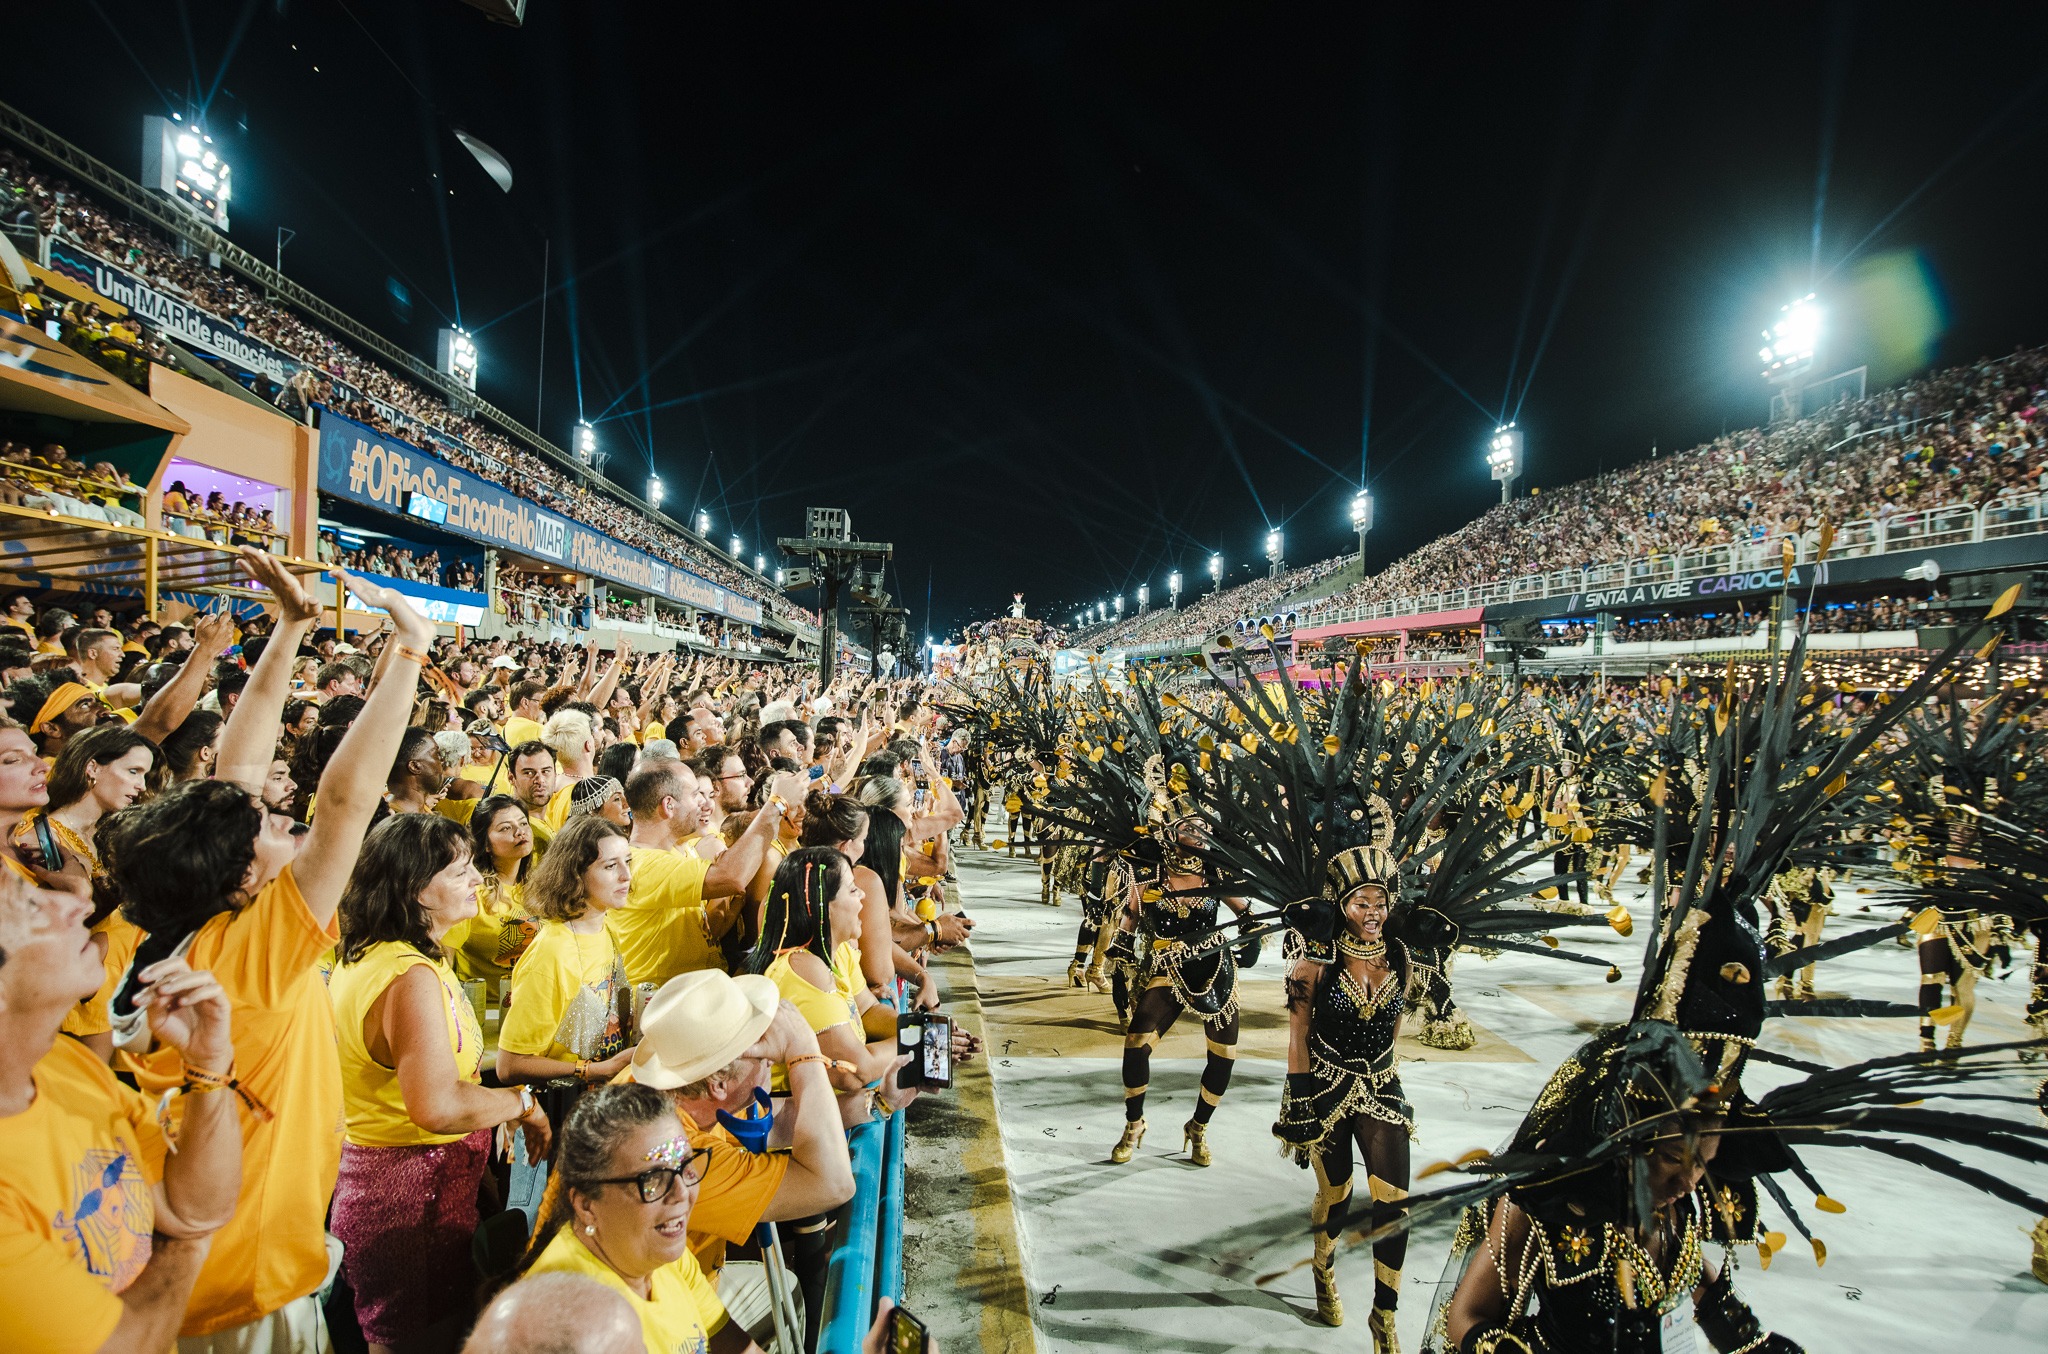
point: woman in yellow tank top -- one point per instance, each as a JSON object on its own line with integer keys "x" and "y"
{"x": 486, "y": 946}
{"x": 417, "y": 1124}
{"x": 810, "y": 950}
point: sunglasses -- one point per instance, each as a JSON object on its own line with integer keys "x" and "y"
{"x": 656, "y": 1182}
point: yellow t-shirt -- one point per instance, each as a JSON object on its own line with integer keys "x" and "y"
{"x": 661, "y": 930}
{"x": 485, "y": 947}
{"x": 370, "y": 1094}
{"x": 682, "y": 1312}
{"x": 93, "y": 1015}
{"x": 494, "y": 775}
{"x": 652, "y": 733}
{"x": 457, "y": 810}
{"x": 519, "y": 732}
{"x": 76, "y": 1209}
{"x": 569, "y": 999}
{"x": 275, "y": 1249}
{"x": 557, "y": 811}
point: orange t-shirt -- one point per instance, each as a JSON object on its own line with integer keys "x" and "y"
{"x": 275, "y": 1250}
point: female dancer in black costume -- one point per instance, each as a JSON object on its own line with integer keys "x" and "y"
{"x": 1344, "y": 1010}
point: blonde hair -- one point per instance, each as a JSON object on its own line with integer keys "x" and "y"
{"x": 566, "y": 733}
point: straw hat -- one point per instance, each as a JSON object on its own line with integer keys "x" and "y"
{"x": 698, "y": 1023}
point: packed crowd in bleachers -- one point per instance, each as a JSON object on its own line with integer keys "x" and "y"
{"x": 1969, "y": 435}
{"x": 1870, "y": 615}
{"x": 473, "y": 906}
{"x": 348, "y": 382}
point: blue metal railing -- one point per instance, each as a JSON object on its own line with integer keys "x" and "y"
{"x": 850, "y": 1275}
{"x": 868, "y": 1262}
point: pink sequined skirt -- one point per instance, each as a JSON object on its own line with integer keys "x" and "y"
{"x": 406, "y": 1216}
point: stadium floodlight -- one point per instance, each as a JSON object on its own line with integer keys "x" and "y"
{"x": 1119, "y": 604}
{"x": 586, "y": 442}
{"x": 1361, "y": 521}
{"x": 1144, "y": 598}
{"x": 703, "y": 524}
{"x": 778, "y": 577}
{"x": 760, "y": 565}
{"x": 654, "y": 492}
{"x": 180, "y": 161}
{"x": 1173, "y": 588}
{"x": 1216, "y": 570}
{"x": 1504, "y": 458}
{"x": 456, "y": 356}
{"x": 1790, "y": 344}
{"x": 736, "y": 548}
{"x": 1276, "y": 553}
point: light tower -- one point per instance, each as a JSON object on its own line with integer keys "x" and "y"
{"x": 1504, "y": 458}
{"x": 704, "y": 524}
{"x": 1276, "y": 553}
{"x": 1216, "y": 571}
{"x": 1173, "y": 588}
{"x": 1119, "y": 606}
{"x": 1789, "y": 351}
{"x": 654, "y": 492}
{"x": 1144, "y": 598}
{"x": 1361, "y": 522}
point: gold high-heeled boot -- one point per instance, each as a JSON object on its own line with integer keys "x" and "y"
{"x": 1077, "y": 972}
{"x": 1127, "y": 1146}
{"x": 1330, "y": 1199}
{"x": 2041, "y": 1250}
{"x": 1195, "y": 1138}
{"x": 1384, "y": 1338}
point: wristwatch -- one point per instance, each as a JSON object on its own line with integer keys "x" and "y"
{"x": 526, "y": 1102}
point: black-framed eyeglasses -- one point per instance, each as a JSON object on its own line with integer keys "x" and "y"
{"x": 656, "y": 1181}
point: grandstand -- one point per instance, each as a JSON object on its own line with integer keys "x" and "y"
{"x": 283, "y": 432}
{"x": 1689, "y": 547}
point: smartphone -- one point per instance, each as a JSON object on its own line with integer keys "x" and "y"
{"x": 936, "y": 1056}
{"x": 910, "y": 1039}
{"x": 907, "y": 1335}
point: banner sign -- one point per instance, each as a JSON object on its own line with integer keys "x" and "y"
{"x": 365, "y": 466}
{"x": 1691, "y": 589}
{"x": 450, "y": 606}
{"x": 179, "y": 320}
{"x": 187, "y": 324}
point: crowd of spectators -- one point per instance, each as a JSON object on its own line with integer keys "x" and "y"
{"x": 1241, "y": 608}
{"x": 1966, "y": 435}
{"x": 351, "y": 384}
{"x": 1971, "y": 435}
{"x": 1870, "y": 615}
{"x": 313, "y": 938}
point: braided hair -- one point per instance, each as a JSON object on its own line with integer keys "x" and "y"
{"x": 798, "y": 913}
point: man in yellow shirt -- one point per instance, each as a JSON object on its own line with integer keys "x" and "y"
{"x": 101, "y": 1233}
{"x": 524, "y": 724}
{"x": 533, "y": 770}
{"x": 667, "y": 927}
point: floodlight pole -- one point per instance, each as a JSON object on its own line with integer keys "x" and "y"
{"x": 834, "y": 563}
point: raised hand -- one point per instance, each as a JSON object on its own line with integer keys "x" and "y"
{"x": 413, "y": 629}
{"x": 293, "y": 603}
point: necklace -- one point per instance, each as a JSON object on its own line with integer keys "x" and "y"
{"x": 1372, "y": 951}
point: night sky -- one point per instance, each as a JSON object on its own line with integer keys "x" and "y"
{"x": 1059, "y": 298}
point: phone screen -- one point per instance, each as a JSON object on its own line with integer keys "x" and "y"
{"x": 937, "y": 1053}
{"x": 907, "y": 1335}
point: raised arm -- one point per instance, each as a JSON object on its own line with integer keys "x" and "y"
{"x": 353, "y": 784}
{"x": 169, "y": 706}
{"x": 249, "y": 740}
{"x": 601, "y": 694}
